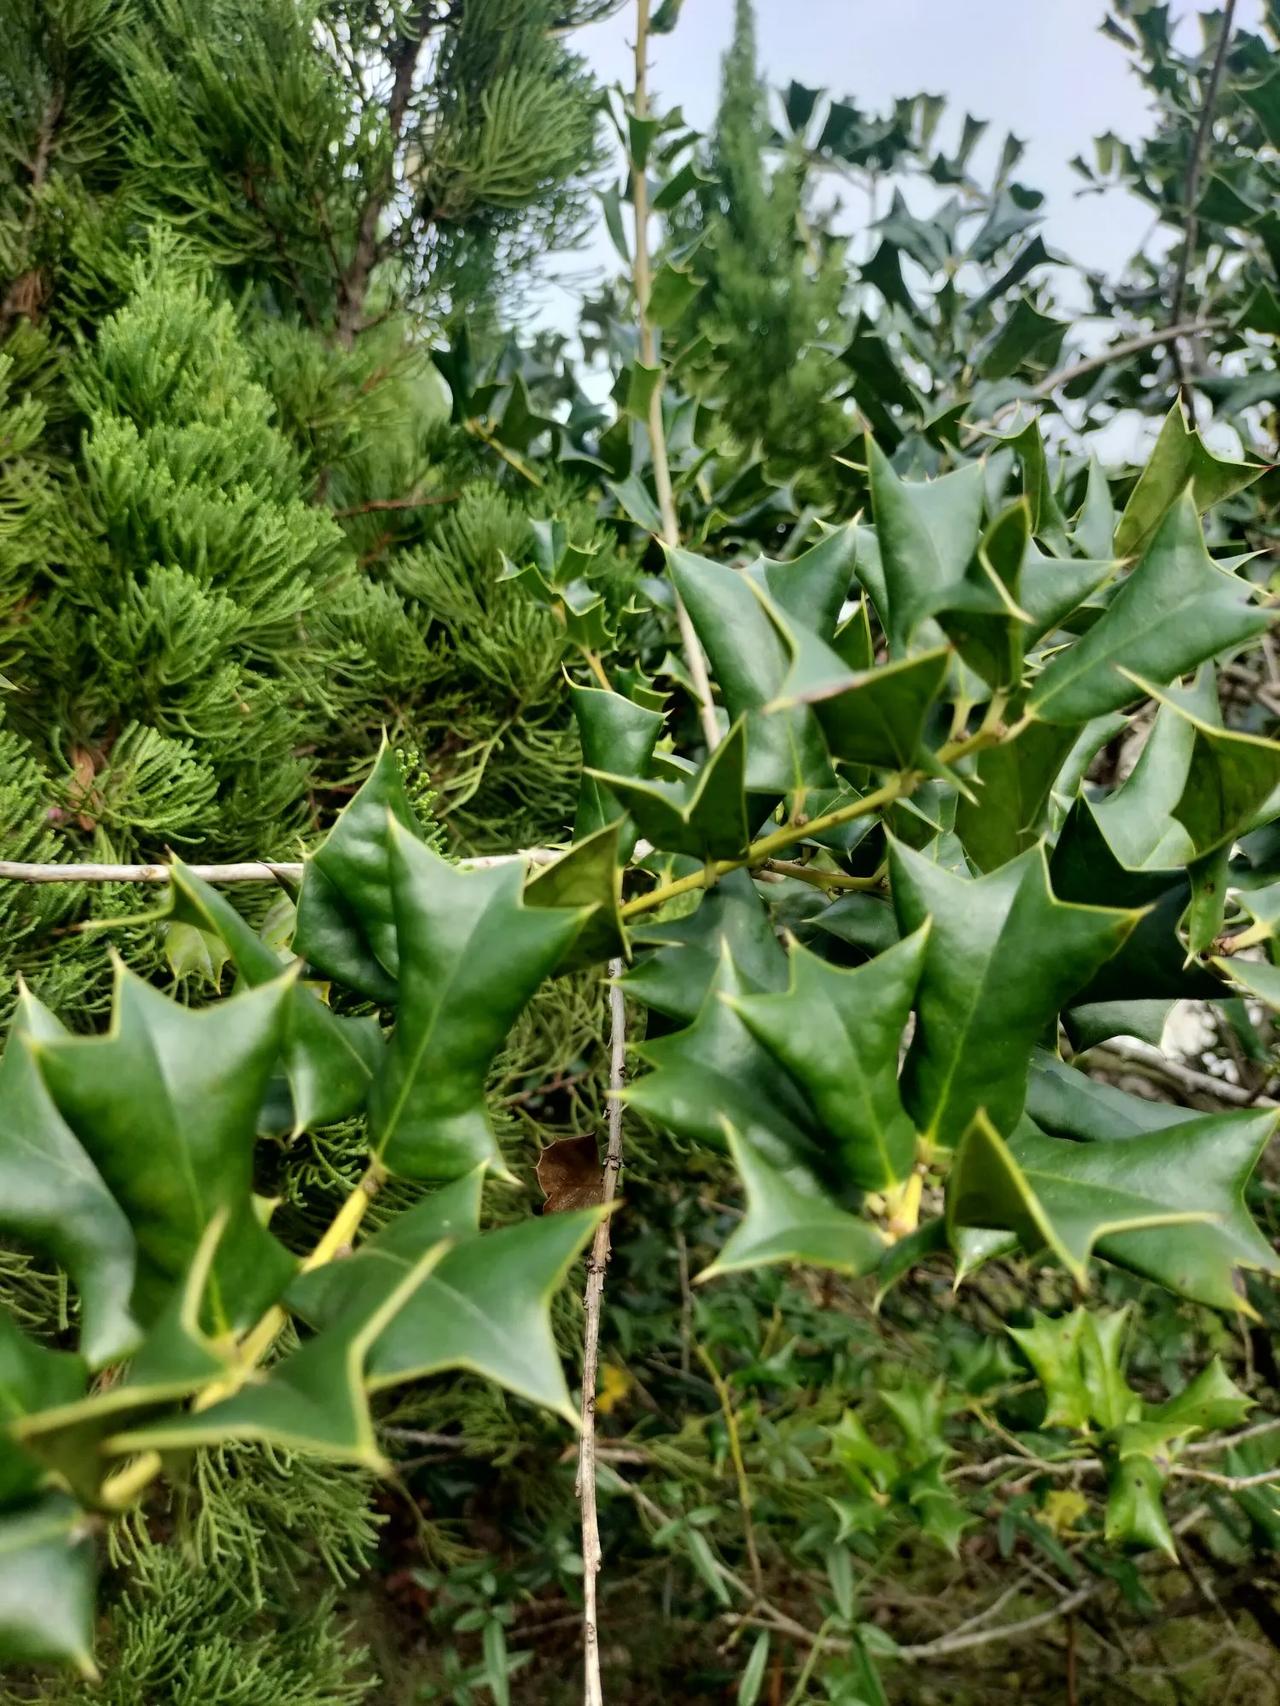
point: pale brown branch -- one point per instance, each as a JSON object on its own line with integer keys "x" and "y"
{"x": 597, "y": 1262}
{"x": 650, "y": 353}
{"x": 248, "y": 871}
{"x": 1195, "y": 167}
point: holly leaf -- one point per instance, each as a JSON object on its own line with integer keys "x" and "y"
{"x": 587, "y": 876}
{"x": 838, "y": 1032}
{"x": 715, "y": 1072}
{"x": 327, "y": 1062}
{"x": 1176, "y": 609}
{"x": 1210, "y": 1401}
{"x": 166, "y": 1106}
{"x": 617, "y": 736}
{"x": 484, "y": 1307}
{"x": 471, "y": 954}
{"x": 746, "y": 621}
{"x": 1180, "y": 459}
{"x": 1010, "y": 787}
{"x": 1123, "y": 1199}
{"x": 55, "y": 1199}
{"x": 977, "y": 1021}
{"x": 983, "y": 616}
{"x": 1135, "y": 1498}
{"x": 876, "y": 717}
{"x": 675, "y": 979}
{"x": 927, "y": 533}
{"x": 1066, "y": 1102}
{"x": 346, "y": 919}
{"x": 705, "y": 816}
{"x": 32, "y": 1378}
{"x": 1227, "y": 777}
{"x": 789, "y": 1219}
{"x": 47, "y": 1580}
{"x": 1052, "y": 1347}
{"x": 313, "y": 1400}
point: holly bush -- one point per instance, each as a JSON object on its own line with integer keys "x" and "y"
{"x": 874, "y": 927}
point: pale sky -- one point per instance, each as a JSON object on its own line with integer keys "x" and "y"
{"x": 1037, "y": 67}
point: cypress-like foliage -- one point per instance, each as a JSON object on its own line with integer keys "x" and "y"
{"x": 775, "y": 282}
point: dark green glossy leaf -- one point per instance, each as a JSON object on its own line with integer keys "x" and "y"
{"x": 876, "y": 718}
{"x": 746, "y": 622}
{"x": 1176, "y": 609}
{"x": 715, "y": 1072}
{"x": 328, "y": 1062}
{"x": 617, "y": 735}
{"x": 789, "y": 1220}
{"x": 166, "y": 1105}
{"x": 1180, "y": 460}
{"x": 485, "y": 1307}
{"x": 315, "y": 1399}
{"x": 47, "y": 1576}
{"x": 675, "y": 979}
{"x": 1168, "y": 1204}
{"x": 927, "y": 534}
{"x": 346, "y": 920}
{"x": 838, "y": 1033}
{"x": 1004, "y": 955}
{"x": 705, "y": 817}
{"x": 471, "y": 954}
{"x": 54, "y": 1198}
{"x": 1011, "y": 784}
{"x": 587, "y": 875}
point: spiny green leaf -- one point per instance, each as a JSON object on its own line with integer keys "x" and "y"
{"x": 485, "y": 1307}
{"x": 1135, "y": 1501}
{"x": 1004, "y": 954}
{"x": 346, "y": 921}
{"x": 1210, "y": 1401}
{"x": 715, "y": 1072}
{"x": 1011, "y": 784}
{"x": 32, "y": 1378}
{"x": 1052, "y": 1347}
{"x": 877, "y": 717}
{"x": 927, "y": 534}
{"x": 745, "y": 620}
{"x": 1180, "y": 459}
{"x": 586, "y": 875}
{"x": 54, "y": 1198}
{"x": 314, "y": 1400}
{"x": 838, "y": 1033}
{"x": 1176, "y": 609}
{"x": 1228, "y": 777}
{"x": 1167, "y": 1204}
{"x": 705, "y": 817}
{"x": 1066, "y": 1102}
{"x": 983, "y": 617}
{"x": 617, "y": 735}
{"x": 166, "y": 1104}
{"x": 470, "y": 956}
{"x": 47, "y": 1576}
{"x": 674, "y": 980}
{"x": 788, "y": 1220}
{"x": 327, "y": 1062}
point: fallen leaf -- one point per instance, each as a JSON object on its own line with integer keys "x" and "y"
{"x": 570, "y": 1175}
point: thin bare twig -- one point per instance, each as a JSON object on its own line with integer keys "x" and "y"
{"x": 650, "y": 355}
{"x": 247, "y": 871}
{"x": 1135, "y": 1057}
{"x": 1195, "y": 167}
{"x": 596, "y": 1265}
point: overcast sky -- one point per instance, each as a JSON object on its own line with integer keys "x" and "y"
{"x": 1037, "y": 67}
